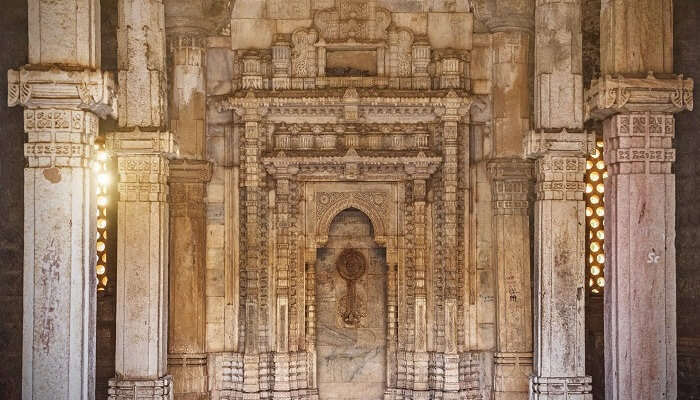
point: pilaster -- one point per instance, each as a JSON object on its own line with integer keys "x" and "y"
{"x": 559, "y": 362}
{"x": 62, "y": 107}
{"x": 186, "y": 333}
{"x": 510, "y": 183}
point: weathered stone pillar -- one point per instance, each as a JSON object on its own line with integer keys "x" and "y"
{"x": 636, "y": 107}
{"x": 187, "y": 359}
{"x": 62, "y": 107}
{"x": 510, "y": 181}
{"x": 511, "y": 24}
{"x": 142, "y": 147}
{"x": 560, "y": 228}
{"x": 559, "y": 146}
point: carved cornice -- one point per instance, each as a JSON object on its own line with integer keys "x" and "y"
{"x": 611, "y": 95}
{"x": 329, "y": 106}
{"x": 54, "y": 88}
{"x": 352, "y": 166}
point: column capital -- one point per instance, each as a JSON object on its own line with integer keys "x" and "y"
{"x": 665, "y": 93}
{"x": 54, "y": 88}
{"x": 187, "y": 48}
{"x": 639, "y": 143}
{"x": 142, "y": 162}
{"x": 510, "y": 184}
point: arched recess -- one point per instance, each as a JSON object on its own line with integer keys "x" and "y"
{"x": 373, "y": 212}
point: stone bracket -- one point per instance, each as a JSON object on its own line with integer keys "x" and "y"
{"x": 624, "y": 94}
{"x": 91, "y": 90}
{"x": 537, "y": 143}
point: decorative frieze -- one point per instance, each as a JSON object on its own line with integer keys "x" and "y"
{"x": 640, "y": 143}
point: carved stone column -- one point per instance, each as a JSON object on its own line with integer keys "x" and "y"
{"x": 559, "y": 146}
{"x": 510, "y": 182}
{"x": 61, "y": 120}
{"x": 142, "y": 148}
{"x": 638, "y": 129}
{"x": 142, "y": 265}
{"x": 560, "y": 230}
{"x": 640, "y": 291}
{"x": 187, "y": 359}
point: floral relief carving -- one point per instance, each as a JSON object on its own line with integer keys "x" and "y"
{"x": 304, "y": 53}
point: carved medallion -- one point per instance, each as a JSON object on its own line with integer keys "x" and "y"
{"x": 351, "y": 266}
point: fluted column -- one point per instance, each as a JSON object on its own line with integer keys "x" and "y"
{"x": 635, "y": 99}
{"x": 61, "y": 120}
{"x": 559, "y": 146}
{"x": 143, "y": 148}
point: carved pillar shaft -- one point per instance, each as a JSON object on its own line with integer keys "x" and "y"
{"x": 510, "y": 181}
{"x": 640, "y": 295}
{"x": 142, "y": 148}
{"x": 559, "y": 264}
{"x": 62, "y": 107}
{"x": 142, "y": 266}
{"x": 638, "y": 128}
{"x": 420, "y": 356}
{"x": 560, "y": 223}
{"x": 186, "y": 328}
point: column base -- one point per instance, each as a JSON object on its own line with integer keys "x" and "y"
{"x": 189, "y": 372}
{"x": 512, "y": 376}
{"x": 140, "y": 389}
{"x": 569, "y": 388}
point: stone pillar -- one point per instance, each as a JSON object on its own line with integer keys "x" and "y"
{"x": 510, "y": 183}
{"x": 188, "y": 307}
{"x": 142, "y": 265}
{"x": 559, "y": 146}
{"x": 560, "y": 228}
{"x": 511, "y": 24}
{"x": 187, "y": 359}
{"x": 62, "y": 107}
{"x": 142, "y": 147}
{"x": 636, "y": 107}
